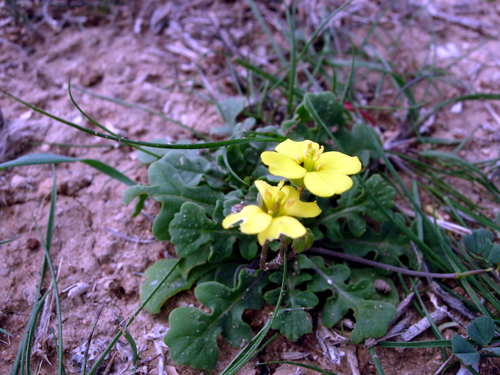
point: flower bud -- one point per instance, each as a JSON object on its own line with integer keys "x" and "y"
{"x": 303, "y": 243}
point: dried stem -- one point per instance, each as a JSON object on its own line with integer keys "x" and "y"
{"x": 402, "y": 271}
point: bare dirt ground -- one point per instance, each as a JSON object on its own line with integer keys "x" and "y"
{"x": 96, "y": 240}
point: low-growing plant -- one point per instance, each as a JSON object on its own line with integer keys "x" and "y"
{"x": 237, "y": 214}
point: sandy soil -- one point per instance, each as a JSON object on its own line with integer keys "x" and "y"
{"x": 116, "y": 56}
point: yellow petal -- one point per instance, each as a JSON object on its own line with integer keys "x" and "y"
{"x": 286, "y": 225}
{"x": 326, "y": 183}
{"x": 291, "y": 148}
{"x": 291, "y": 192}
{"x": 254, "y": 220}
{"x": 262, "y": 186}
{"x": 282, "y": 165}
{"x": 339, "y": 162}
{"x": 302, "y": 209}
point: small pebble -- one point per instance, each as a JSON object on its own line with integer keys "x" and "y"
{"x": 32, "y": 243}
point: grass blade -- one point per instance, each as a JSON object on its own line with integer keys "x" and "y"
{"x": 10, "y": 239}
{"x": 248, "y": 351}
{"x": 147, "y": 110}
{"x": 376, "y": 362}
{"x": 5, "y": 332}
{"x": 46, "y": 247}
{"x": 265, "y": 29}
{"x": 131, "y": 142}
{"x": 34, "y": 159}
{"x": 293, "y": 49}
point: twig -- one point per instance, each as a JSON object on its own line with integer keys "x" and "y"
{"x": 352, "y": 359}
{"x": 403, "y": 306}
{"x": 433, "y": 299}
{"x": 452, "y": 227}
{"x": 402, "y": 271}
{"x": 276, "y": 262}
{"x": 127, "y": 238}
{"x": 423, "y": 325}
{"x": 108, "y": 367}
{"x": 439, "y": 370}
{"x": 453, "y": 302}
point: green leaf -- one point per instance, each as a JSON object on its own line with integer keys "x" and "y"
{"x": 35, "y": 159}
{"x": 5, "y": 332}
{"x": 173, "y": 285}
{"x": 388, "y": 245}
{"x": 192, "y": 337}
{"x": 353, "y": 206}
{"x": 464, "y": 350}
{"x": 374, "y": 275}
{"x": 372, "y": 316}
{"x": 359, "y": 142}
{"x": 190, "y": 229}
{"x": 323, "y": 108}
{"x": 481, "y": 330}
{"x": 229, "y": 109}
{"x": 242, "y": 160}
{"x": 169, "y": 188}
{"x": 146, "y": 158}
{"x": 248, "y": 246}
{"x": 193, "y": 168}
{"x": 292, "y": 319}
{"x": 228, "y": 273}
{"x": 480, "y": 242}
{"x": 189, "y": 263}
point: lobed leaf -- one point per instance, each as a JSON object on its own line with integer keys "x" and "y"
{"x": 194, "y": 168}
{"x": 388, "y": 245}
{"x": 292, "y": 320}
{"x": 168, "y": 187}
{"x": 191, "y": 229}
{"x": 229, "y": 109}
{"x": 375, "y": 275}
{"x": 173, "y": 285}
{"x": 353, "y": 206}
{"x": 192, "y": 337}
{"x": 323, "y": 108}
{"x": 360, "y": 142}
{"x": 199, "y": 258}
{"x": 372, "y": 316}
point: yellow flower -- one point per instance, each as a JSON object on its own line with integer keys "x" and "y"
{"x": 305, "y": 163}
{"x": 275, "y": 214}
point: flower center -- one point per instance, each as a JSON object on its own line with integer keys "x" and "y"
{"x": 310, "y": 157}
{"x": 274, "y": 203}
